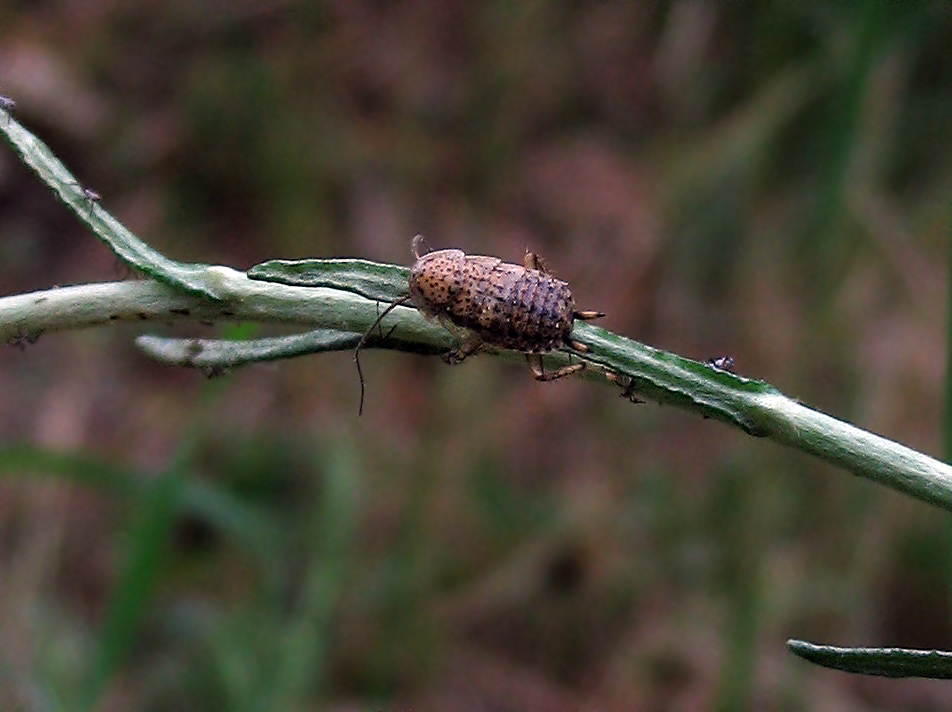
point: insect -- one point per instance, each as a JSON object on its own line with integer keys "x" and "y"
{"x": 518, "y": 307}
{"x": 722, "y": 363}
{"x": 91, "y": 197}
{"x": 8, "y": 105}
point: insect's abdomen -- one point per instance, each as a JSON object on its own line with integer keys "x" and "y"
{"x": 513, "y": 307}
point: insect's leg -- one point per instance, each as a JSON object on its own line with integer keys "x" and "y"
{"x": 586, "y": 315}
{"x": 377, "y": 322}
{"x": 533, "y": 261}
{"x": 470, "y": 346}
{"x": 538, "y": 373}
{"x": 380, "y": 335}
{"x": 363, "y": 341}
{"x": 627, "y": 386}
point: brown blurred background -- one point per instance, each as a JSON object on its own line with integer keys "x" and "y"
{"x": 769, "y": 181}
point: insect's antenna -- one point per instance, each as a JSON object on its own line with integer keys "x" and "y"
{"x": 363, "y": 342}
{"x": 419, "y": 246}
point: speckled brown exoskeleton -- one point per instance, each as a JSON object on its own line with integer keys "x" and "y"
{"x": 518, "y": 307}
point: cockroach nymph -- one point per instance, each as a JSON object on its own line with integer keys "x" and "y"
{"x": 518, "y": 307}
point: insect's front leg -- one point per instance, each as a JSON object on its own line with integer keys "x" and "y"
{"x": 470, "y": 346}
{"x": 469, "y": 341}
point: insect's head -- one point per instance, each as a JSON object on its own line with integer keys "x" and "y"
{"x": 435, "y": 279}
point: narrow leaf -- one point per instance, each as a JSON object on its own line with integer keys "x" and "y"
{"x": 885, "y": 662}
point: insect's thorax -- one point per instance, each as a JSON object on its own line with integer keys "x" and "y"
{"x": 435, "y": 280}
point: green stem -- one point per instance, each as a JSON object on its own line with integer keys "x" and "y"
{"x": 346, "y": 296}
{"x": 192, "y": 278}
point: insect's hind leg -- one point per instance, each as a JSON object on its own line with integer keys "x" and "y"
{"x": 538, "y": 373}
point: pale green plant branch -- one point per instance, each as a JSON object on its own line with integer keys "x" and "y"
{"x": 29, "y": 316}
{"x": 340, "y": 300}
{"x": 33, "y": 152}
{"x": 345, "y": 296}
{"x": 755, "y": 406}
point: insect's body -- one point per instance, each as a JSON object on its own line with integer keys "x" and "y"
{"x": 507, "y": 305}
{"x": 518, "y": 307}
